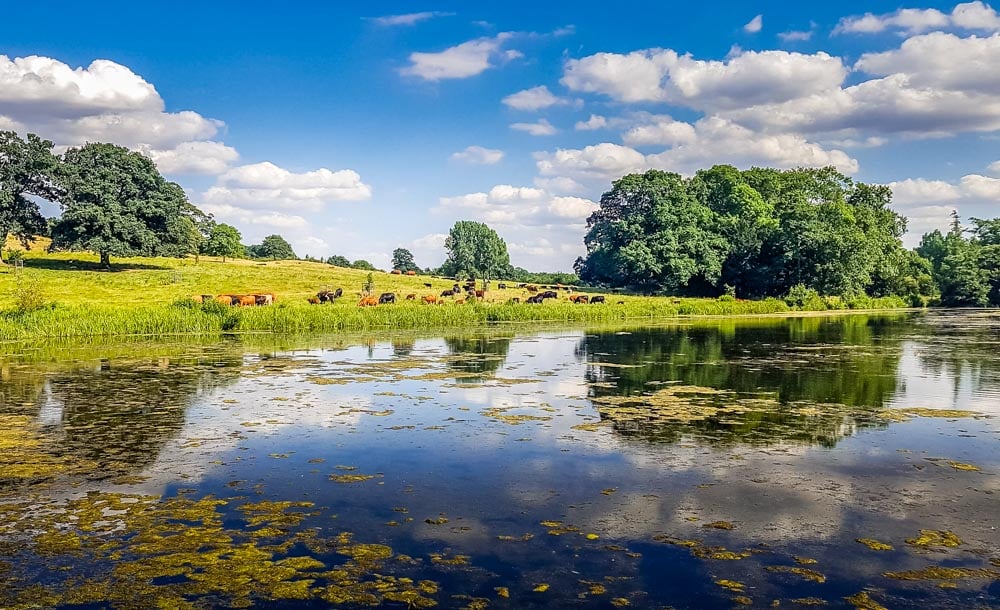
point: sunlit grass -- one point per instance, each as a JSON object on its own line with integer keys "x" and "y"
{"x": 149, "y": 296}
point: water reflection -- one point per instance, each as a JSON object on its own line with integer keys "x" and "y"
{"x": 844, "y": 369}
{"x": 702, "y": 465}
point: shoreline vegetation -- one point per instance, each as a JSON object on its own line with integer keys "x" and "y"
{"x": 152, "y": 297}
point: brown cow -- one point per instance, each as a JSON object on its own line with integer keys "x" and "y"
{"x": 198, "y": 298}
{"x": 411, "y": 272}
{"x": 313, "y": 300}
{"x": 460, "y": 301}
{"x": 247, "y": 300}
{"x": 480, "y": 294}
{"x": 396, "y": 272}
{"x": 368, "y": 302}
{"x": 532, "y": 288}
{"x": 430, "y": 299}
{"x": 227, "y": 299}
{"x": 411, "y": 297}
{"x": 578, "y": 298}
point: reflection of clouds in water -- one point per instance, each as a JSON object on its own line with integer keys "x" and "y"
{"x": 942, "y": 387}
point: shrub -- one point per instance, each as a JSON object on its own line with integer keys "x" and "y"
{"x": 28, "y": 294}
{"x": 727, "y": 298}
{"x": 12, "y": 256}
{"x": 800, "y": 297}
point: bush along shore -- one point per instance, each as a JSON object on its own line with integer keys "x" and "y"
{"x": 186, "y": 316}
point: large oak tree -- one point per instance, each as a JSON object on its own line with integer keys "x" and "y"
{"x": 116, "y": 203}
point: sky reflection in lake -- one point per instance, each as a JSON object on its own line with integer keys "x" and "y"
{"x": 702, "y": 465}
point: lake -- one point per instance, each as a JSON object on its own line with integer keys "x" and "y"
{"x": 847, "y": 461}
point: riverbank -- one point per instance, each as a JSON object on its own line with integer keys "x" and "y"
{"x": 88, "y": 320}
{"x": 72, "y": 297}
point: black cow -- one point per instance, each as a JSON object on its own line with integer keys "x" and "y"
{"x": 427, "y": 285}
{"x": 329, "y": 296}
{"x": 521, "y": 285}
{"x": 456, "y": 289}
{"x": 448, "y": 293}
{"x": 537, "y": 298}
{"x": 549, "y": 294}
{"x": 597, "y": 299}
{"x": 502, "y": 286}
{"x": 386, "y": 297}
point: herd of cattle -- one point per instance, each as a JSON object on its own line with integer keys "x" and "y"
{"x": 456, "y": 294}
{"x": 244, "y": 300}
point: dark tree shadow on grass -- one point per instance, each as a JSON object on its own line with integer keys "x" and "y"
{"x": 78, "y": 265}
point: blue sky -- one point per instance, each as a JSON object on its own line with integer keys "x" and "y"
{"x": 357, "y": 129}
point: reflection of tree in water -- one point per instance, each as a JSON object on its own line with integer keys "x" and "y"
{"x": 962, "y": 345}
{"x": 20, "y": 389}
{"x": 848, "y": 361}
{"x": 121, "y": 415}
{"x": 481, "y": 355}
{"x": 402, "y": 348}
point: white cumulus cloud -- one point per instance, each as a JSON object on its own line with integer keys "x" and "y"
{"x": 460, "y": 61}
{"x": 754, "y": 25}
{"x": 539, "y": 128}
{"x": 535, "y": 98}
{"x": 967, "y": 16}
{"x": 478, "y": 155}
{"x": 594, "y": 123}
{"x": 265, "y": 185}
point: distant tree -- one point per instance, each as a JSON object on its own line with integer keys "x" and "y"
{"x": 115, "y": 202}
{"x": 651, "y": 233}
{"x": 475, "y": 251}
{"x": 224, "y": 241}
{"x": 402, "y": 259}
{"x": 338, "y": 261}
{"x": 26, "y": 168}
{"x": 275, "y": 247}
{"x": 363, "y": 265}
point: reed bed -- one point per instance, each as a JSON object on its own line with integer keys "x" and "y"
{"x": 187, "y": 317}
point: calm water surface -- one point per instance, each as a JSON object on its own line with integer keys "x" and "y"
{"x": 719, "y": 464}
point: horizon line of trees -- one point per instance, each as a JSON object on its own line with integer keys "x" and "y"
{"x": 755, "y": 233}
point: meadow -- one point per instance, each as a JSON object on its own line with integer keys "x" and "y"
{"x": 69, "y": 295}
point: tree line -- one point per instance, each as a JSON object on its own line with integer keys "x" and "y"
{"x": 755, "y": 233}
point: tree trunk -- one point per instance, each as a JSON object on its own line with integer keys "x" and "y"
{"x": 3, "y": 244}
{"x": 106, "y": 260}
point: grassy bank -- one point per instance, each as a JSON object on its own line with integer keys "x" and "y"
{"x": 149, "y": 296}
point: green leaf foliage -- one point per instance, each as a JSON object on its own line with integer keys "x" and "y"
{"x": 757, "y": 232}
{"x": 274, "y": 247}
{"x": 475, "y": 251}
{"x": 26, "y": 168}
{"x": 224, "y": 240}
{"x": 402, "y": 259}
{"x": 115, "y": 202}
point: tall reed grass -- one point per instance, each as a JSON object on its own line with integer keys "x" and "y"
{"x": 187, "y": 317}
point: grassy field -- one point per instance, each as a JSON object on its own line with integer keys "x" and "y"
{"x": 149, "y": 296}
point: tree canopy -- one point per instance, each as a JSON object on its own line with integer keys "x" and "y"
{"x": 26, "y": 168}
{"x": 757, "y": 232}
{"x": 475, "y": 251}
{"x": 274, "y": 247}
{"x": 225, "y": 241}
{"x": 402, "y": 259}
{"x": 338, "y": 261}
{"x": 115, "y": 202}
{"x": 363, "y": 265}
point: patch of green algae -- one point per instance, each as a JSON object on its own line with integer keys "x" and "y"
{"x": 943, "y": 573}
{"x": 177, "y": 553}
{"x": 934, "y": 538}
{"x": 874, "y": 545}
{"x": 862, "y": 601}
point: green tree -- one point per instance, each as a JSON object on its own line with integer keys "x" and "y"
{"x": 26, "y": 168}
{"x": 475, "y": 251}
{"x": 402, "y": 259}
{"x": 115, "y": 202}
{"x": 274, "y": 247}
{"x": 363, "y": 265}
{"x": 224, "y": 241}
{"x": 652, "y": 233}
{"x": 338, "y": 261}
